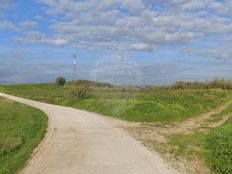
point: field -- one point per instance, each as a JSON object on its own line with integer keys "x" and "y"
{"x": 211, "y": 144}
{"x": 21, "y": 130}
{"x": 189, "y": 125}
{"x": 131, "y": 104}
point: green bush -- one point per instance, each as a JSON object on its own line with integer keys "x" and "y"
{"x": 76, "y": 92}
{"x": 219, "y": 143}
{"x": 60, "y": 81}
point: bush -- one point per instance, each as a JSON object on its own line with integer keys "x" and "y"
{"x": 60, "y": 81}
{"x": 76, "y": 92}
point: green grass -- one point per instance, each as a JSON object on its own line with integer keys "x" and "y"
{"x": 48, "y": 93}
{"x": 132, "y": 104}
{"x": 218, "y": 117}
{"x": 188, "y": 145}
{"x": 219, "y": 145}
{"x": 21, "y": 130}
{"x": 165, "y": 105}
{"x": 213, "y": 147}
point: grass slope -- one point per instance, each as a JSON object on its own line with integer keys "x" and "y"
{"x": 213, "y": 147}
{"x": 21, "y": 130}
{"x": 157, "y": 105}
{"x": 139, "y": 105}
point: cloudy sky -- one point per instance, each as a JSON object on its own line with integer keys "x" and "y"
{"x": 169, "y": 40}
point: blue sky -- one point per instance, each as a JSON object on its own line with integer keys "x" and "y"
{"x": 169, "y": 40}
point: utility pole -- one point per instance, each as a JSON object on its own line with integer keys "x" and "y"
{"x": 74, "y": 67}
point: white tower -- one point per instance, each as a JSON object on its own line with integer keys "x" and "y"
{"x": 74, "y": 67}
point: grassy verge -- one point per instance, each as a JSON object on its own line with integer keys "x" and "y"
{"x": 48, "y": 93}
{"x": 132, "y": 104}
{"x": 167, "y": 105}
{"x": 21, "y": 130}
{"x": 213, "y": 147}
{"x": 219, "y": 145}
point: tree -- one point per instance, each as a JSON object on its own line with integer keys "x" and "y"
{"x": 60, "y": 81}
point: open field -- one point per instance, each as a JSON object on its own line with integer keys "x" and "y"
{"x": 131, "y": 104}
{"x": 21, "y": 130}
{"x": 191, "y": 127}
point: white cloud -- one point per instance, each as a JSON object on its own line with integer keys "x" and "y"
{"x": 40, "y": 38}
{"x": 134, "y": 24}
{"x": 28, "y": 25}
{"x": 133, "y": 6}
{"x": 38, "y": 17}
{"x": 7, "y": 25}
{"x": 195, "y": 4}
{"x": 222, "y": 8}
{"x": 6, "y": 4}
{"x": 217, "y": 53}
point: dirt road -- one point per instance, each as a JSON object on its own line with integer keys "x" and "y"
{"x": 79, "y": 142}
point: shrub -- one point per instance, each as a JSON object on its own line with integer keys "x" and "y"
{"x": 76, "y": 92}
{"x": 60, "y": 81}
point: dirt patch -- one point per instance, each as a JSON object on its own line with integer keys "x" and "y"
{"x": 162, "y": 132}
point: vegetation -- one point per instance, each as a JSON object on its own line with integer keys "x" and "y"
{"x": 141, "y": 104}
{"x": 60, "y": 81}
{"x": 48, "y": 93}
{"x": 21, "y": 130}
{"x": 213, "y": 147}
{"x": 76, "y": 92}
{"x": 155, "y": 105}
{"x": 177, "y": 102}
{"x": 189, "y": 145}
{"x": 219, "y": 144}
{"x": 216, "y": 83}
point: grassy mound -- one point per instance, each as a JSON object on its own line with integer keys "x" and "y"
{"x": 166, "y": 105}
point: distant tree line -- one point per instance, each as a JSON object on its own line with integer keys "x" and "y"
{"x": 216, "y": 83}
{"x": 82, "y": 86}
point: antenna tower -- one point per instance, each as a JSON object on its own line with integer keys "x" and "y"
{"x": 74, "y": 67}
